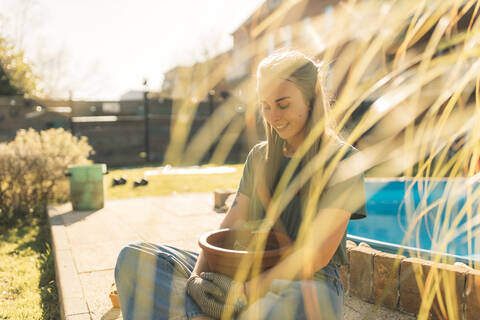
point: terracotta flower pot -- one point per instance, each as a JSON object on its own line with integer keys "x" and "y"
{"x": 224, "y": 249}
{"x": 114, "y": 299}
{"x": 114, "y": 296}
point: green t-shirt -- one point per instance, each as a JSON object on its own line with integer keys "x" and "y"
{"x": 344, "y": 190}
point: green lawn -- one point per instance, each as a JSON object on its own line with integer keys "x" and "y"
{"x": 169, "y": 184}
{"x": 27, "y": 276}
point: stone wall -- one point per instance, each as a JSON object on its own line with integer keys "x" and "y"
{"x": 397, "y": 282}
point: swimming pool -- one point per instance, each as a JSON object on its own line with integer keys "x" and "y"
{"x": 423, "y": 217}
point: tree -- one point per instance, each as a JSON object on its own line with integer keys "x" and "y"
{"x": 7, "y": 88}
{"x": 16, "y": 75}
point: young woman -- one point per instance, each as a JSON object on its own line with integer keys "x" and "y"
{"x": 312, "y": 204}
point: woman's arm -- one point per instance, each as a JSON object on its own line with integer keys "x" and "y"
{"x": 320, "y": 245}
{"x": 237, "y": 215}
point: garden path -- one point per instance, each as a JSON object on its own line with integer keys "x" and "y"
{"x": 86, "y": 246}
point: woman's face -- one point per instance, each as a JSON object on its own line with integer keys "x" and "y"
{"x": 284, "y": 108}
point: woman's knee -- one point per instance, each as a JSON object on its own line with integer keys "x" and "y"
{"x": 125, "y": 258}
{"x": 128, "y": 257}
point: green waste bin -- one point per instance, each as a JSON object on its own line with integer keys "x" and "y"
{"x": 87, "y": 191}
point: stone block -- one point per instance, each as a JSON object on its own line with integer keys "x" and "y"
{"x": 351, "y": 244}
{"x": 230, "y": 200}
{"x": 361, "y": 272}
{"x": 448, "y": 301}
{"x": 386, "y": 279}
{"x": 59, "y": 236}
{"x": 345, "y": 270}
{"x": 410, "y": 297}
{"x": 472, "y": 295}
{"x": 220, "y": 196}
{"x": 67, "y": 276}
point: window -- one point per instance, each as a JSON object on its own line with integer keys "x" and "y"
{"x": 271, "y": 43}
{"x": 306, "y": 28}
{"x": 287, "y": 36}
{"x": 329, "y": 17}
{"x": 111, "y": 107}
{"x": 272, "y": 4}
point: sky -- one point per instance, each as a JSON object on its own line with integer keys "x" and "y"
{"x": 100, "y": 49}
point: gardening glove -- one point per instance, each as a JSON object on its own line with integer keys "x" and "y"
{"x": 236, "y": 289}
{"x": 206, "y": 294}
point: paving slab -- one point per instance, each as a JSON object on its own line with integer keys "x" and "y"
{"x": 86, "y": 245}
{"x": 98, "y": 257}
{"x": 356, "y": 309}
{"x": 99, "y": 284}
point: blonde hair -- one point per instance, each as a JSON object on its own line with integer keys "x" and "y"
{"x": 305, "y": 74}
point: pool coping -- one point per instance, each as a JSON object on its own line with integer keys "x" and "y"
{"x": 407, "y": 250}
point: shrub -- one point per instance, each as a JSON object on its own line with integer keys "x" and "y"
{"x": 32, "y": 171}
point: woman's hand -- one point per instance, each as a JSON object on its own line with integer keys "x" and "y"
{"x": 210, "y": 291}
{"x": 206, "y": 294}
{"x": 234, "y": 297}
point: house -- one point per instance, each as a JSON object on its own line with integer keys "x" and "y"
{"x": 176, "y": 82}
{"x": 132, "y": 95}
{"x": 197, "y": 81}
{"x": 18, "y": 112}
{"x": 274, "y": 24}
{"x": 267, "y": 29}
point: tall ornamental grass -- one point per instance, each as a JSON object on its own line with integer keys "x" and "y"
{"x": 404, "y": 81}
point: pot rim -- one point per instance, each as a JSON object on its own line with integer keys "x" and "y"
{"x": 203, "y": 243}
